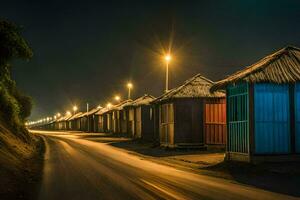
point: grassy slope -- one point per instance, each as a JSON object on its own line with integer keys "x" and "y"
{"x": 20, "y": 165}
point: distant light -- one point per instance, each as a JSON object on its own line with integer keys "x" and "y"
{"x": 55, "y": 117}
{"x": 68, "y": 113}
{"x": 99, "y": 107}
{"x": 117, "y": 98}
{"x": 168, "y": 57}
{"x": 108, "y": 105}
{"x": 58, "y": 114}
{"x": 75, "y": 108}
{"x": 129, "y": 85}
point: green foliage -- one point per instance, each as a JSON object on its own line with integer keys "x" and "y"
{"x": 15, "y": 107}
{"x": 12, "y": 44}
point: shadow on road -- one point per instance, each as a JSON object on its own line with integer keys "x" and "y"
{"x": 277, "y": 177}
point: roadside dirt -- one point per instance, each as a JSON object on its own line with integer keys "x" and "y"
{"x": 20, "y": 179}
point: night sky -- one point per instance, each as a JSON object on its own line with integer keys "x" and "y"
{"x": 86, "y": 51}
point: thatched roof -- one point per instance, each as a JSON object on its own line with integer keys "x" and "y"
{"x": 93, "y": 111}
{"x": 195, "y": 87}
{"x": 280, "y": 67}
{"x": 146, "y": 99}
{"x": 121, "y": 105}
{"x": 75, "y": 116}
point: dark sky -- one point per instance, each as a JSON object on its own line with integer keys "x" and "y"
{"x": 87, "y": 51}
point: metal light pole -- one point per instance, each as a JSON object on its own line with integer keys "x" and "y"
{"x": 167, "y": 58}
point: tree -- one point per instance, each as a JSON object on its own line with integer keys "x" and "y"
{"x": 15, "y": 107}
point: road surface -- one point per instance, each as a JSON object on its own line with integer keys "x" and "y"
{"x": 77, "y": 168}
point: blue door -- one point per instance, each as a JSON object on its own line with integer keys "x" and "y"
{"x": 297, "y": 112}
{"x": 271, "y": 118}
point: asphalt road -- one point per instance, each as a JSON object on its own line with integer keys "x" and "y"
{"x": 77, "y": 168}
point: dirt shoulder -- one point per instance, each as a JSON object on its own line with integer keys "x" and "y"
{"x": 20, "y": 175}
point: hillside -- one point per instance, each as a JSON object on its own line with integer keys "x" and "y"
{"x": 19, "y": 175}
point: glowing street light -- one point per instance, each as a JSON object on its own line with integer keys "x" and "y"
{"x": 129, "y": 86}
{"x": 68, "y": 113}
{"x": 75, "y": 108}
{"x": 117, "y": 98}
{"x": 108, "y": 105}
{"x": 58, "y": 115}
{"x": 167, "y": 59}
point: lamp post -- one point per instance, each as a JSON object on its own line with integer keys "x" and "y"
{"x": 129, "y": 86}
{"x": 168, "y": 59}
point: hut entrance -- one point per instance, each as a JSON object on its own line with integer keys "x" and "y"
{"x": 238, "y": 118}
{"x": 297, "y": 112}
{"x": 272, "y": 129}
{"x": 167, "y": 124}
{"x": 215, "y": 121}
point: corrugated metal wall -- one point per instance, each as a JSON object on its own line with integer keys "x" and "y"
{"x": 297, "y": 112}
{"x": 271, "y": 118}
{"x": 215, "y": 121}
{"x": 238, "y": 118}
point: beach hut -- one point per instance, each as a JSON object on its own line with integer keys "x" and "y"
{"x": 102, "y": 124}
{"x": 119, "y": 122}
{"x": 263, "y": 108}
{"x": 139, "y": 120}
{"x": 72, "y": 122}
{"x": 90, "y": 117}
{"x": 191, "y": 115}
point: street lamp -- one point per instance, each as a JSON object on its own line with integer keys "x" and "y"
{"x": 75, "y": 108}
{"x": 129, "y": 86}
{"x": 167, "y": 59}
{"x": 117, "y": 98}
{"x": 68, "y": 113}
{"x": 108, "y": 105}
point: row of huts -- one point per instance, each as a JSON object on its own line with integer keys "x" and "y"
{"x": 254, "y": 112}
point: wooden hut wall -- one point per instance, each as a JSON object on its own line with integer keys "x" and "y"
{"x": 166, "y": 123}
{"x": 238, "y": 118}
{"x": 131, "y": 120}
{"x": 138, "y": 122}
{"x": 189, "y": 121}
{"x": 215, "y": 121}
{"x": 115, "y": 122}
{"x": 96, "y": 120}
{"x": 272, "y": 120}
{"x": 297, "y": 117}
{"x": 155, "y": 118}
{"x": 147, "y": 123}
{"x": 109, "y": 122}
{"x": 123, "y": 121}
{"x": 102, "y": 123}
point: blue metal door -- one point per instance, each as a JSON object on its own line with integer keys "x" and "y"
{"x": 271, "y": 114}
{"x": 297, "y": 112}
